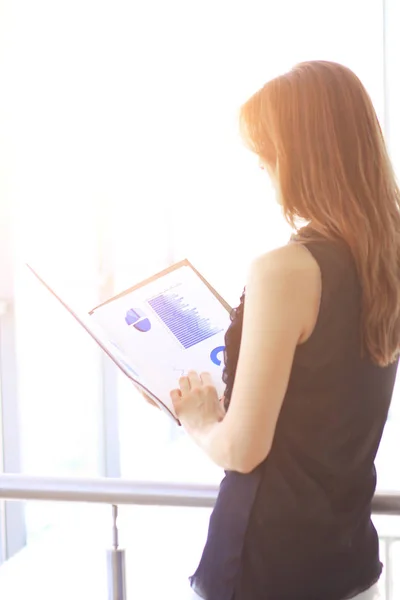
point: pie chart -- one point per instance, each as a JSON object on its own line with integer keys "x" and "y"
{"x": 137, "y": 319}
{"x": 215, "y": 355}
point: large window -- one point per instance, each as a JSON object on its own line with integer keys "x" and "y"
{"x": 221, "y": 209}
{"x": 123, "y": 155}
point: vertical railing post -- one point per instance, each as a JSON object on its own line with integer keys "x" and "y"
{"x": 388, "y": 570}
{"x": 116, "y": 564}
{"x": 12, "y": 524}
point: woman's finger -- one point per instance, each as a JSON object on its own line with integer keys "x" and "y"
{"x": 194, "y": 379}
{"x": 206, "y": 379}
{"x": 149, "y": 400}
{"x": 176, "y": 397}
{"x": 184, "y": 384}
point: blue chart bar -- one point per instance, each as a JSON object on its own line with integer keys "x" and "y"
{"x": 182, "y": 320}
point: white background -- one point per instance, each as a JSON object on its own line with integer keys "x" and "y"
{"x": 120, "y": 154}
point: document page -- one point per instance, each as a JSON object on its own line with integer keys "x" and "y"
{"x": 166, "y": 326}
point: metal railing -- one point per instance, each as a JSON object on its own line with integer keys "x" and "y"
{"x": 104, "y": 490}
{"x": 119, "y": 491}
{"x": 107, "y": 491}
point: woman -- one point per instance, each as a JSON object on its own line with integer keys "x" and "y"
{"x": 318, "y": 329}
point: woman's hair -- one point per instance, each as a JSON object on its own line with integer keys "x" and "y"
{"x": 317, "y": 128}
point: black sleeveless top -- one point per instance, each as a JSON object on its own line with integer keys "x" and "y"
{"x": 299, "y": 526}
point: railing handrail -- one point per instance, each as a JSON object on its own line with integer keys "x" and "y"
{"x": 102, "y": 490}
{"x": 105, "y": 490}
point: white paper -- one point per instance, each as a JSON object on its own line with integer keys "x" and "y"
{"x": 167, "y": 327}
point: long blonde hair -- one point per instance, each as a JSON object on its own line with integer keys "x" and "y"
{"x": 317, "y": 127}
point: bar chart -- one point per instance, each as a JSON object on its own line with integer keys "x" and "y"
{"x": 182, "y": 319}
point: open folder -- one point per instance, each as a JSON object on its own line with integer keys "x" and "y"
{"x": 158, "y": 330}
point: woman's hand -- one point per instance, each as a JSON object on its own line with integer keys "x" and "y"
{"x": 148, "y": 399}
{"x": 196, "y": 402}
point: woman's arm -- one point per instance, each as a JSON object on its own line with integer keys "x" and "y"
{"x": 281, "y": 308}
